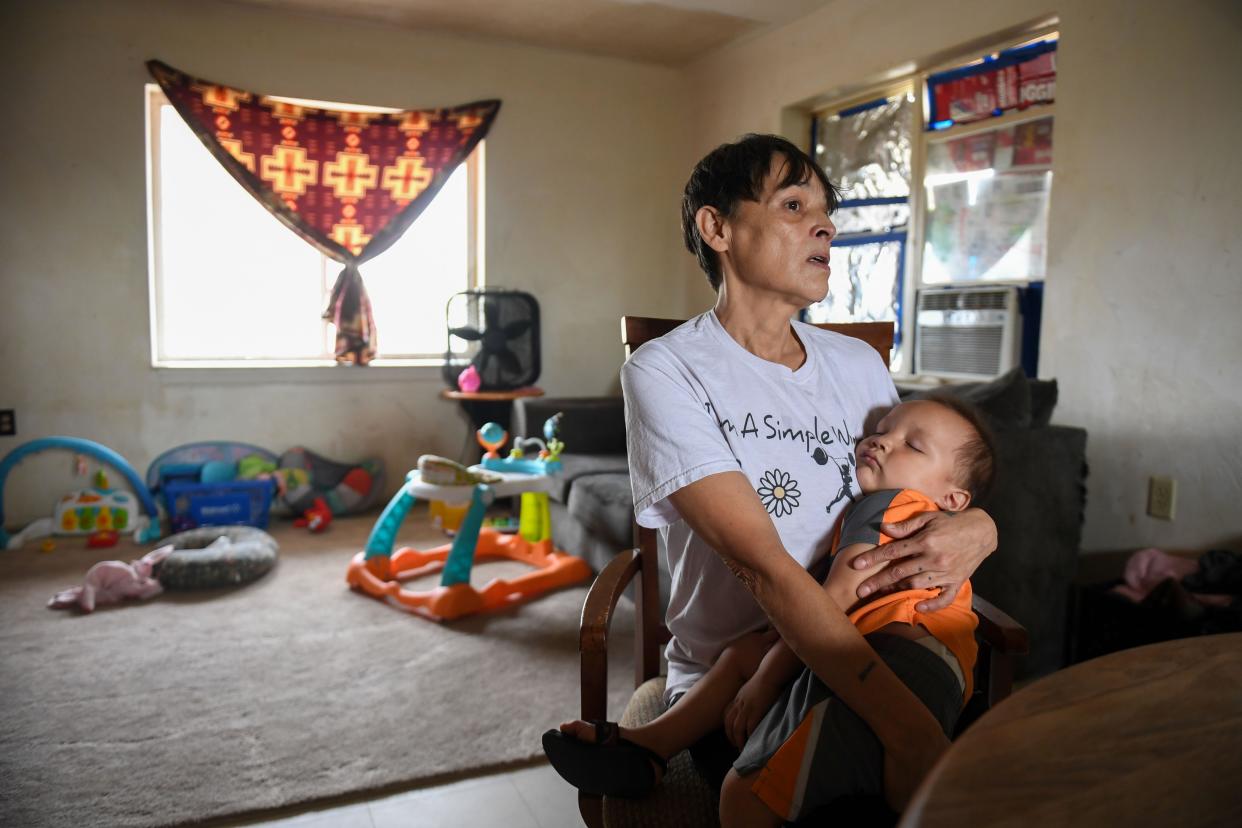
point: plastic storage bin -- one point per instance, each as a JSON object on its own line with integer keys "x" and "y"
{"x": 238, "y": 502}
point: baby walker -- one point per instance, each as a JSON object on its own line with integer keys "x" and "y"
{"x": 378, "y": 572}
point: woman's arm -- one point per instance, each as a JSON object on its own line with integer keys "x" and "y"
{"x": 724, "y": 511}
{"x": 780, "y": 665}
{"x": 844, "y": 579}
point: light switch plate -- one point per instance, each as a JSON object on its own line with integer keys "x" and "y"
{"x": 1162, "y": 497}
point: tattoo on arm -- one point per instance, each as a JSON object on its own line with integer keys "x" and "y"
{"x": 742, "y": 573}
{"x": 866, "y": 671}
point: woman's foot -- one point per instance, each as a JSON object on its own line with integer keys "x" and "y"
{"x": 598, "y": 758}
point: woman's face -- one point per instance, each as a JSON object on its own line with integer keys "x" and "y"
{"x": 780, "y": 243}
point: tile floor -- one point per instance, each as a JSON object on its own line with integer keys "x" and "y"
{"x": 533, "y": 797}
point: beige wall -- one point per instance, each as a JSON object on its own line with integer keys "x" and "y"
{"x": 585, "y": 165}
{"x": 1142, "y": 324}
{"x": 583, "y": 180}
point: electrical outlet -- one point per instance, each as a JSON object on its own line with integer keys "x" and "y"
{"x": 8, "y": 423}
{"x": 1162, "y": 497}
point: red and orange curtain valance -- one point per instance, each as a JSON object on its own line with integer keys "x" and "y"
{"x": 350, "y": 183}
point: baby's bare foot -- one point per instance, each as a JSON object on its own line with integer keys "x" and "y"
{"x": 580, "y": 730}
{"x": 585, "y": 732}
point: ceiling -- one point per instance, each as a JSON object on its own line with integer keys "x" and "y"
{"x": 670, "y": 32}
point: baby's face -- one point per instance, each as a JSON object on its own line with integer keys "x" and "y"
{"x": 914, "y": 447}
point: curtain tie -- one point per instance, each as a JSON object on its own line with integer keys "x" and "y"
{"x": 349, "y": 310}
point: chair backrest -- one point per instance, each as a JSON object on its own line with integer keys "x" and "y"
{"x": 638, "y": 330}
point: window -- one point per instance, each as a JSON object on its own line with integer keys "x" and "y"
{"x": 978, "y": 137}
{"x": 232, "y": 286}
{"x": 987, "y": 204}
{"x": 867, "y": 152}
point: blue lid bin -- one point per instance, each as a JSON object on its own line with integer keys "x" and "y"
{"x": 235, "y": 503}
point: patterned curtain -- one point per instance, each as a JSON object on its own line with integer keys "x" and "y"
{"x": 350, "y": 183}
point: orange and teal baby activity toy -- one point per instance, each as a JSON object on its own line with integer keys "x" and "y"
{"x": 379, "y": 572}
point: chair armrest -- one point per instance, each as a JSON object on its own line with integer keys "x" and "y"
{"x": 593, "y": 629}
{"x": 1005, "y": 640}
{"x": 999, "y": 630}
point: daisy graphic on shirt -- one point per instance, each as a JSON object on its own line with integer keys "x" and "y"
{"x": 778, "y": 492}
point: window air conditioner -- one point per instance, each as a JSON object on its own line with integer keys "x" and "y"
{"x": 968, "y": 333}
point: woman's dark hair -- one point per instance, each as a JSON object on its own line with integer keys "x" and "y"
{"x": 733, "y": 172}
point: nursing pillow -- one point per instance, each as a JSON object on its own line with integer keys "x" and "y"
{"x": 216, "y": 556}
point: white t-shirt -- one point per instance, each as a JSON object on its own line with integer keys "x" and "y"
{"x": 697, "y": 403}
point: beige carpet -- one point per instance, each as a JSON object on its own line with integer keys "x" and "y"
{"x": 291, "y": 689}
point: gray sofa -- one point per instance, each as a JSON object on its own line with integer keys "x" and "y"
{"x": 1037, "y": 503}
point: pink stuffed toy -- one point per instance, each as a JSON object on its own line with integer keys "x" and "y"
{"x": 110, "y": 582}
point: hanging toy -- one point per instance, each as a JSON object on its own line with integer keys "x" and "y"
{"x": 491, "y": 437}
{"x": 551, "y": 432}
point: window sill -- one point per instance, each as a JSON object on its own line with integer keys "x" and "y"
{"x": 922, "y": 382}
{"x": 254, "y": 372}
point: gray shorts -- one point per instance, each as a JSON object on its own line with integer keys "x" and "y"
{"x": 836, "y": 754}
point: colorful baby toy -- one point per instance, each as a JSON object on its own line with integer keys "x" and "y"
{"x": 317, "y": 518}
{"x": 88, "y": 511}
{"x": 378, "y": 572}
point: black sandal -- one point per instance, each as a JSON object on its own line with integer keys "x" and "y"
{"x": 609, "y": 766}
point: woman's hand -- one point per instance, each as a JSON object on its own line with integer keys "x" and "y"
{"x": 748, "y": 707}
{"x": 932, "y": 549}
